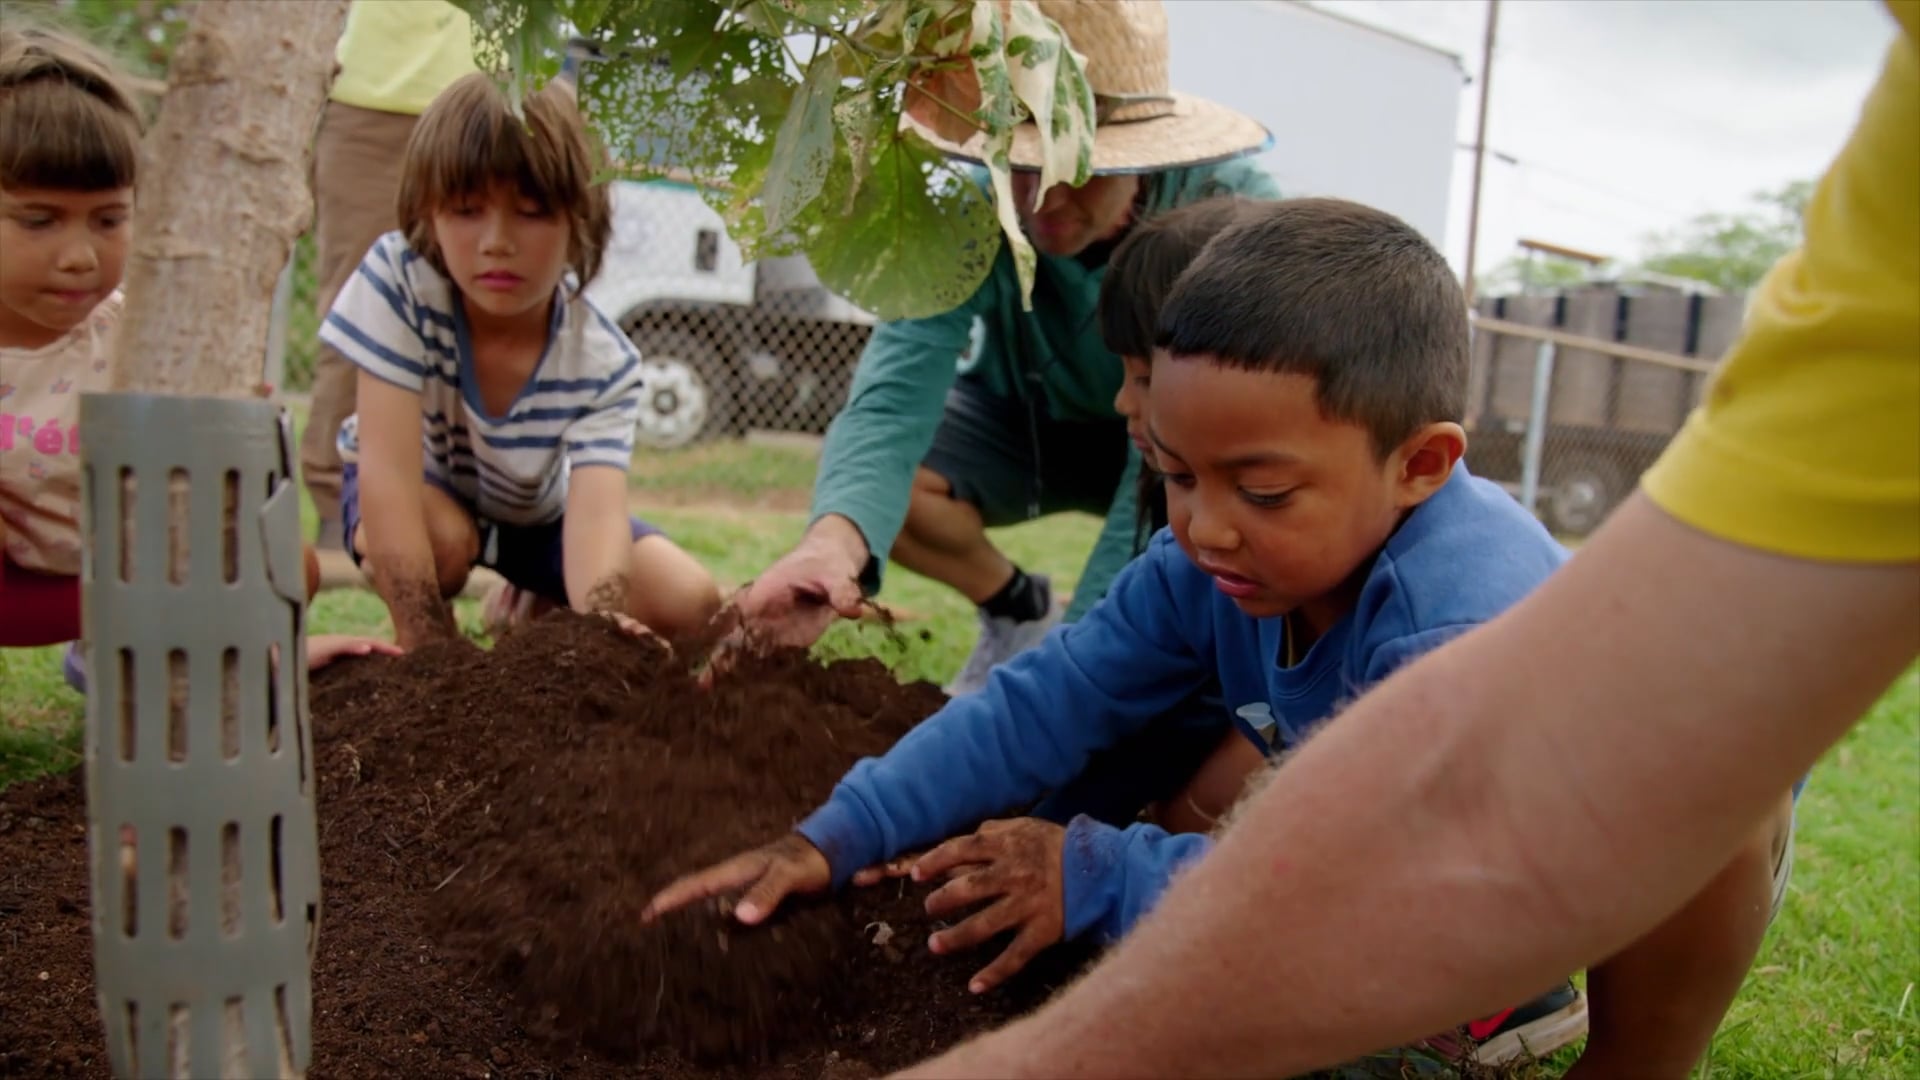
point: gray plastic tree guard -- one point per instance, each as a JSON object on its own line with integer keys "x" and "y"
{"x": 199, "y": 757}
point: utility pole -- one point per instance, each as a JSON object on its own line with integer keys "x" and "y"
{"x": 1480, "y": 145}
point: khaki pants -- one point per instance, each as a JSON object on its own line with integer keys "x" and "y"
{"x": 356, "y": 182}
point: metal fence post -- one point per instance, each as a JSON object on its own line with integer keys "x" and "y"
{"x": 1536, "y": 427}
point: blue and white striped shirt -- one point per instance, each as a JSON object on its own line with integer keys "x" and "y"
{"x": 399, "y": 320}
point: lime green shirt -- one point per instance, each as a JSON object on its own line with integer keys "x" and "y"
{"x": 397, "y": 55}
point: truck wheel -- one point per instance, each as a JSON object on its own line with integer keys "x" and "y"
{"x": 1581, "y": 489}
{"x": 686, "y": 393}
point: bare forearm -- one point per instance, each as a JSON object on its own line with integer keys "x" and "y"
{"x": 597, "y": 541}
{"x": 393, "y": 513}
{"x": 399, "y": 560}
{"x": 597, "y": 561}
{"x": 1568, "y": 774}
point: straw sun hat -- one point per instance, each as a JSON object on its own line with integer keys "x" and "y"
{"x": 1143, "y": 124}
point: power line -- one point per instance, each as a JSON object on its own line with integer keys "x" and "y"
{"x": 1575, "y": 178}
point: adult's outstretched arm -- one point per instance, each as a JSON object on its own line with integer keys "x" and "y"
{"x": 1516, "y": 805}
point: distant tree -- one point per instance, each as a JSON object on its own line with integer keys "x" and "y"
{"x": 1543, "y": 273}
{"x": 141, "y": 33}
{"x": 1734, "y": 251}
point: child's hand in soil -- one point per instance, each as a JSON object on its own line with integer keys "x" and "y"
{"x": 324, "y": 649}
{"x": 770, "y": 874}
{"x": 634, "y": 628}
{"x": 894, "y": 868}
{"x": 1017, "y": 865}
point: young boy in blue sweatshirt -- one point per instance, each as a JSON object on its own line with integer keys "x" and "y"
{"x": 1305, "y": 411}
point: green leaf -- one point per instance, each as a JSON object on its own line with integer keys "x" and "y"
{"x": 858, "y": 122}
{"x": 762, "y": 17}
{"x": 998, "y": 113}
{"x": 954, "y": 37}
{"x": 521, "y": 43}
{"x": 758, "y": 96}
{"x": 1049, "y": 79}
{"x": 691, "y": 35}
{"x": 708, "y": 90}
{"x": 587, "y": 15}
{"x": 822, "y": 14}
{"x": 886, "y": 31}
{"x": 910, "y": 248}
{"x": 803, "y": 151}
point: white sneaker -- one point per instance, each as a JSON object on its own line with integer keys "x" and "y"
{"x": 1002, "y": 639}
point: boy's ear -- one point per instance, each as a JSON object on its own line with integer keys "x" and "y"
{"x": 1426, "y": 459}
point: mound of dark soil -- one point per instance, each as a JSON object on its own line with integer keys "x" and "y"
{"x": 492, "y": 824}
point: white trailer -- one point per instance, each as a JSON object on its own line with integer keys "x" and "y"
{"x": 1356, "y": 112}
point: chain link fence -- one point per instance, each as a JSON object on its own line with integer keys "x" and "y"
{"x": 1572, "y": 396}
{"x": 728, "y": 346}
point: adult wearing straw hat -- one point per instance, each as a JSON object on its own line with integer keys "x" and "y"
{"x": 926, "y": 455}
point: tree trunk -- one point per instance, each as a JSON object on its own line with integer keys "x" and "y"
{"x": 223, "y": 194}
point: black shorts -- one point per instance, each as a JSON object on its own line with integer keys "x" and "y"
{"x": 1014, "y": 463}
{"x": 528, "y": 556}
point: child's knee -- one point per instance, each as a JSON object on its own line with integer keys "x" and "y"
{"x": 452, "y": 576}
{"x": 455, "y": 549}
{"x": 690, "y": 606}
{"x": 671, "y": 592}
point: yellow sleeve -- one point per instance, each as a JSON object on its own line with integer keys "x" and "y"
{"x": 1808, "y": 440}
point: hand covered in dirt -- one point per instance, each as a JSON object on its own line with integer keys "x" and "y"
{"x": 893, "y": 868}
{"x": 1017, "y": 865}
{"x": 634, "y": 628}
{"x": 800, "y": 595}
{"x": 324, "y": 649}
{"x": 770, "y": 874}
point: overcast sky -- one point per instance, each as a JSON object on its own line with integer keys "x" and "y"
{"x": 1629, "y": 116}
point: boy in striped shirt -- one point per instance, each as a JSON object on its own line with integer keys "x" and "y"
{"x": 495, "y": 404}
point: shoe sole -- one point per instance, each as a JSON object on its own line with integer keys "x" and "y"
{"x": 1539, "y": 1037}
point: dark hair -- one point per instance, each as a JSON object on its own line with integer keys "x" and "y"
{"x": 1350, "y": 295}
{"x": 1140, "y": 273}
{"x": 1144, "y": 266}
{"x": 469, "y": 139}
{"x": 66, "y": 122}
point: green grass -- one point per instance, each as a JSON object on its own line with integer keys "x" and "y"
{"x": 40, "y": 718}
{"x": 733, "y": 471}
{"x": 1832, "y": 993}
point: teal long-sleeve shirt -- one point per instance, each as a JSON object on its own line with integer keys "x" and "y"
{"x": 900, "y": 384}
